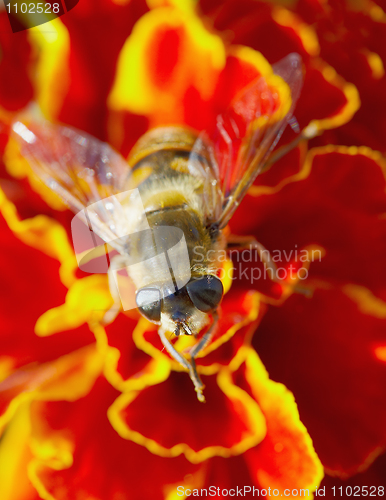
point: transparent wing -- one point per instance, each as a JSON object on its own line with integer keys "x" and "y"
{"x": 249, "y": 129}
{"x": 203, "y": 165}
{"x": 82, "y": 170}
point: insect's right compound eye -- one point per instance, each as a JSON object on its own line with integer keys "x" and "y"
{"x": 206, "y": 292}
{"x": 149, "y": 303}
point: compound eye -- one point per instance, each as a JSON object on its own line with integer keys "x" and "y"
{"x": 206, "y": 292}
{"x": 149, "y": 303}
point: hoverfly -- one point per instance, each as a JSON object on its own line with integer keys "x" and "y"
{"x": 189, "y": 181}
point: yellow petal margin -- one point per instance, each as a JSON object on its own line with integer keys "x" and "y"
{"x": 52, "y": 42}
{"x": 87, "y": 301}
{"x": 306, "y": 168}
{"x": 45, "y": 234}
{"x": 156, "y": 371}
{"x": 15, "y": 454}
{"x": 248, "y": 409}
{"x": 350, "y": 92}
{"x": 306, "y": 33}
{"x": 56, "y": 380}
{"x": 367, "y": 302}
{"x": 291, "y": 461}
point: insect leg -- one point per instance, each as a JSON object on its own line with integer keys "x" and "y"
{"x": 250, "y": 243}
{"x": 117, "y": 262}
{"x": 201, "y": 344}
{"x": 194, "y": 352}
{"x": 306, "y": 134}
{"x": 195, "y": 378}
{"x": 190, "y": 366}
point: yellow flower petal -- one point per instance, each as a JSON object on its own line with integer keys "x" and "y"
{"x": 88, "y": 299}
{"x": 138, "y": 87}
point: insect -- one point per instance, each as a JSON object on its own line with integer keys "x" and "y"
{"x": 187, "y": 181}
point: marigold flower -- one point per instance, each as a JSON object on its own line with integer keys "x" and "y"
{"x": 295, "y": 373}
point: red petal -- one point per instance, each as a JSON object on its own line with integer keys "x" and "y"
{"x": 79, "y": 455}
{"x": 128, "y": 367}
{"x": 67, "y": 378}
{"x": 227, "y": 424}
{"x": 338, "y": 205}
{"x": 351, "y": 41}
{"x": 322, "y": 349}
{"x": 97, "y": 32}
{"x": 372, "y": 480}
{"x": 251, "y": 24}
{"x": 286, "y": 457}
{"x": 275, "y": 32}
{"x": 16, "y": 58}
{"x": 227, "y": 474}
{"x": 30, "y": 286}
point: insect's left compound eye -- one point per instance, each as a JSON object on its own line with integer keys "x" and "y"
{"x": 148, "y": 301}
{"x": 206, "y": 292}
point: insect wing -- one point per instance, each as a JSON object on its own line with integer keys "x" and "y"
{"x": 290, "y": 69}
{"x": 249, "y": 129}
{"x": 85, "y": 172}
{"x": 202, "y": 164}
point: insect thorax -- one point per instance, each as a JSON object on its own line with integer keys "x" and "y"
{"x": 173, "y": 197}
